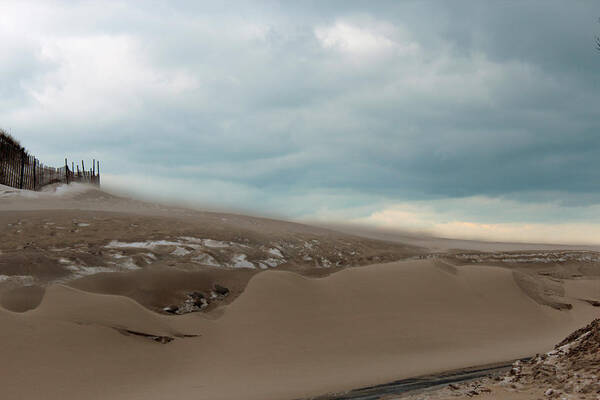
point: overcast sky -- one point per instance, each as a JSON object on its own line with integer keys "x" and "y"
{"x": 475, "y": 119}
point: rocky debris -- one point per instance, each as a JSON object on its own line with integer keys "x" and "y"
{"x": 197, "y": 301}
{"x": 460, "y": 390}
{"x": 571, "y": 369}
{"x": 194, "y": 301}
{"x": 469, "y": 389}
{"x": 162, "y": 339}
{"x": 547, "y": 257}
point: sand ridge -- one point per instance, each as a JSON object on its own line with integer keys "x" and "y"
{"x": 286, "y": 336}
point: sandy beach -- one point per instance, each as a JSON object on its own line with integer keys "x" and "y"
{"x": 295, "y": 330}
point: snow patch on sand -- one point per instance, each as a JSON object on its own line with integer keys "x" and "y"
{"x": 206, "y": 242}
{"x": 129, "y": 264}
{"x": 325, "y": 263}
{"x": 206, "y": 259}
{"x": 82, "y": 270}
{"x": 214, "y": 243}
{"x": 150, "y": 244}
{"x": 180, "y": 252}
{"x": 25, "y": 280}
{"x": 273, "y": 262}
{"x": 239, "y": 261}
{"x": 276, "y": 252}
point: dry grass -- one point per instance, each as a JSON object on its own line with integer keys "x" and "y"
{"x": 10, "y": 140}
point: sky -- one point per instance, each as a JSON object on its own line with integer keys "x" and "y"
{"x": 462, "y": 119}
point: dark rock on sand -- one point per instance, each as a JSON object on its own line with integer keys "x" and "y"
{"x": 221, "y": 290}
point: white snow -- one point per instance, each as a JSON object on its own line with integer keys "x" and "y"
{"x": 206, "y": 242}
{"x": 26, "y": 280}
{"x": 191, "y": 239}
{"x": 82, "y": 270}
{"x": 82, "y": 224}
{"x": 325, "y": 263}
{"x": 276, "y": 252}
{"x": 239, "y": 261}
{"x": 273, "y": 262}
{"x": 214, "y": 243}
{"x": 126, "y": 262}
{"x": 206, "y": 259}
{"x": 129, "y": 264}
{"x": 180, "y": 252}
{"x": 150, "y": 244}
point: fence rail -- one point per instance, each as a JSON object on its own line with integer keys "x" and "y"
{"x": 21, "y": 170}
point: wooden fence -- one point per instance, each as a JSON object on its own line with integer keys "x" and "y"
{"x": 20, "y": 170}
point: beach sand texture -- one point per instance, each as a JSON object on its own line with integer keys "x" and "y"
{"x": 293, "y": 331}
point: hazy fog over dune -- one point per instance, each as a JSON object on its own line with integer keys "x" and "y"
{"x": 463, "y": 119}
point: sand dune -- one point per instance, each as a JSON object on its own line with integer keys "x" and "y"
{"x": 57, "y": 237}
{"x": 286, "y": 336}
{"x": 313, "y": 315}
{"x": 62, "y": 303}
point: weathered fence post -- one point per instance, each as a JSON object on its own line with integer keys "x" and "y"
{"x": 34, "y": 175}
{"x": 22, "y": 168}
{"x": 66, "y": 171}
{"x": 1, "y": 163}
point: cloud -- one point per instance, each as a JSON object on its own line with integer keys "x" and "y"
{"x": 340, "y": 109}
{"x": 347, "y": 37}
{"x": 470, "y": 218}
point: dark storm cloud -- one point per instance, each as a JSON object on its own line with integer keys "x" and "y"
{"x": 381, "y": 102}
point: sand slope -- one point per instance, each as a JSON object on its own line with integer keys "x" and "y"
{"x": 286, "y": 336}
{"x": 63, "y": 303}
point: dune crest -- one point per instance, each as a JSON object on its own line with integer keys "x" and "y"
{"x": 64, "y": 303}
